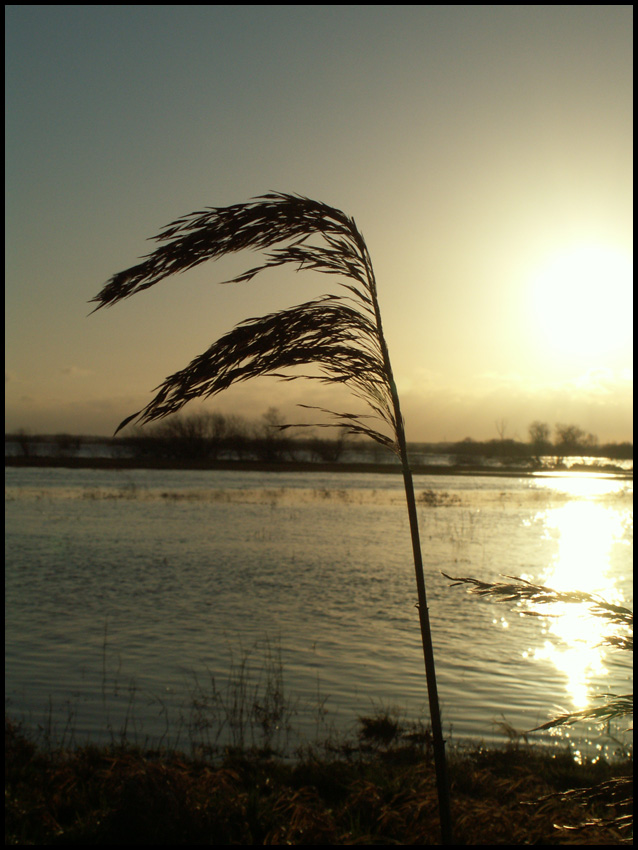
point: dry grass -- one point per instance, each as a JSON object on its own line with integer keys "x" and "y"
{"x": 361, "y": 795}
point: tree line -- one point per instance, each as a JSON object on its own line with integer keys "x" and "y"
{"x": 212, "y": 436}
{"x": 567, "y": 440}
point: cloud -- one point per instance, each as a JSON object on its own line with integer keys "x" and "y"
{"x": 599, "y": 402}
{"x": 76, "y": 371}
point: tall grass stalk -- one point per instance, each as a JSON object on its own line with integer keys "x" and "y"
{"x": 341, "y": 333}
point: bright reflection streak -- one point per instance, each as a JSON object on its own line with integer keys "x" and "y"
{"x": 583, "y": 486}
{"x": 585, "y": 532}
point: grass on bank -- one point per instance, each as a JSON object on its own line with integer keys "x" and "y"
{"x": 380, "y": 789}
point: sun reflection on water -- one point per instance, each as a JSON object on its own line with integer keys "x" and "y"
{"x": 585, "y": 529}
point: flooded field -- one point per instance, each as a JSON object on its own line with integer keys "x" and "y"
{"x": 150, "y": 601}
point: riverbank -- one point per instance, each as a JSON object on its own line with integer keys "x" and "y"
{"x": 373, "y": 791}
{"x": 606, "y": 471}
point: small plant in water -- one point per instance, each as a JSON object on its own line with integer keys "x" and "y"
{"x": 382, "y": 728}
{"x": 341, "y": 333}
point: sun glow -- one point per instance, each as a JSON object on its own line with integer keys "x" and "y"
{"x": 582, "y": 301}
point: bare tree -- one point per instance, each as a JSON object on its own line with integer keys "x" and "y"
{"x": 329, "y": 451}
{"x": 67, "y": 444}
{"x": 196, "y": 437}
{"x": 571, "y": 439}
{"x": 501, "y": 428}
{"x": 539, "y": 437}
{"x": 269, "y": 443}
{"x": 25, "y": 441}
{"x": 237, "y": 436}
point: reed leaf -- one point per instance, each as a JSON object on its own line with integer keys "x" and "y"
{"x": 536, "y": 594}
{"x": 615, "y": 794}
{"x": 524, "y": 591}
{"x": 618, "y": 706}
{"x": 341, "y": 334}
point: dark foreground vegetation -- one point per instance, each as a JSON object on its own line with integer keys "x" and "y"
{"x": 379, "y": 790}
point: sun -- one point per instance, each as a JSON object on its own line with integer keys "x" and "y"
{"x": 582, "y": 302}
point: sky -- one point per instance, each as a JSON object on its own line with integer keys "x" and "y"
{"x": 485, "y": 152}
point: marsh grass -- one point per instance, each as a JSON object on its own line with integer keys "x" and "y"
{"x": 437, "y": 498}
{"x": 248, "y": 710}
{"x": 383, "y": 728}
{"x": 368, "y": 791}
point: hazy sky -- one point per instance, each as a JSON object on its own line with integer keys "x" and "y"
{"x": 484, "y": 151}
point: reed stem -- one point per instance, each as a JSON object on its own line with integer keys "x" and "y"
{"x": 440, "y": 761}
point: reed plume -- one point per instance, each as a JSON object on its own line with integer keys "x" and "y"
{"x": 340, "y": 333}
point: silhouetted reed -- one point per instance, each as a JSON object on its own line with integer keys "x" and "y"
{"x": 341, "y": 333}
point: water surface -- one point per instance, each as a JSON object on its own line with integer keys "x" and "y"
{"x": 128, "y": 593}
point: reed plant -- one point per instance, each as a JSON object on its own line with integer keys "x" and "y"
{"x": 340, "y": 332}
{"x": 528, "y": 597}
{"x": 249, "y": 712}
